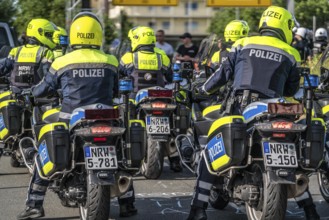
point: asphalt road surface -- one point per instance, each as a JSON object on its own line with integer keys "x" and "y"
{"x": 167, "y": 198}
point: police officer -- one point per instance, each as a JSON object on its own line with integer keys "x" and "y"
{"x": 301, "y": 43}
{"x": 264, "y": 66}
{"x": 148, "y": 66}
{"x": 28, "y": 63}
{"x": 60, "y": 38}
{"x": 320, "y": 44}
{"x": 71, "y": 73}
{"x": 234, "y": 30}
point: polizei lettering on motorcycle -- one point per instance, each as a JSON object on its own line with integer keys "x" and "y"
{"x": 217, "y": 149}
{"x": 266, "y": 55}
{"x": 86, "y": 35}
{"x": 88, "y": 73}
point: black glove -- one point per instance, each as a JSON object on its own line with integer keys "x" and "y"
{"x": 200, "y": 90}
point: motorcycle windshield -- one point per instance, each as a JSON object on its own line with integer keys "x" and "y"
{"x": 208, "y": 47}
{"x": 118, "y": 48}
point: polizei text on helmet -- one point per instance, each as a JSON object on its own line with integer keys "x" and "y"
{"x": 86, "y": 35}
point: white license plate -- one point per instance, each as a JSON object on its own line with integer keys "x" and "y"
{"x": 280, "y": 154}
{"x": 157, "y": 125}
{"x": 100, "y": 157}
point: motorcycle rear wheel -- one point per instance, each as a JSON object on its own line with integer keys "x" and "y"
{"x": 273, "y": 198}
{"x": 153, "y": 165}
{"x": 323, "y": 185}
{"x": 97, "y": 205}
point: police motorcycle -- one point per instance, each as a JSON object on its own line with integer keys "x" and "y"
{"x": 266, "y": 154}
{"x": 91, "y": 159}
{"x": 15, "y": 121}
{"x": 166, "y": 115}
{"x": 321, "y": 109}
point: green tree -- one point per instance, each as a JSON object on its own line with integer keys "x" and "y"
{"x": 249, "y": 14}
{"x": 306, "y": 9}
{"x": 125, "y": 25}
{"x": 110, "y": 30}
{"x": 51, "y": 10}
{"x": 7, "y": 11}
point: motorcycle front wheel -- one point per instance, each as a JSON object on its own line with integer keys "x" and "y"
{"x": 97, "y": 205}
{"x": 272, "y": 202}
{"x": 153, "y": 162}
{"x": 324, "y": 185}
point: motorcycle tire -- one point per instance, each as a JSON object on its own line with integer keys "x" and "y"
{"x": 324, "y": 185}
{"x": 218, "y": 198}
{"x": 97, "y": 205}
{"x": 273, "y": 198}
{"x": 153, "y": 165}
{"x": 14, "y": 161}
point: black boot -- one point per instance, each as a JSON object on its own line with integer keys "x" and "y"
{"x": 30, "y": 212}
{"x": 310, "y": 212}
{"x": 175, "y": 165}
{"x": 197, "y": 213}
{"x": 127, "y": 210}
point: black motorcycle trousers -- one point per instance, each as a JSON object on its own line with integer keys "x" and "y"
{"x": 203, "y": 185}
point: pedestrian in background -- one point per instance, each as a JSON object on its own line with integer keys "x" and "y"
{"x": 160, "y": 43}
{"x": 187, "y": 51}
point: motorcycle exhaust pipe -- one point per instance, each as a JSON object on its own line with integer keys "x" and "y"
{"x": 299, "y": 187}
{"x": 123, "y": 183}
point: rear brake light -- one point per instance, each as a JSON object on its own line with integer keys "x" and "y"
{"x": 279, "y": 135}
{"x": 100, "y": 139}
{"x": 282, "y": 125}
{"x": 157, "y": 112}
{"x": 100, "y": 130}
{"x": 158, "y": 105}
{"x": 159, "y": 93}
{"x": 101, "y": 113}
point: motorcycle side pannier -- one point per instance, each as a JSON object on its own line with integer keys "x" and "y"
{"x": 183, "y": 123}
{"x": 54, "y": 147}
{"x": 138, "y": 142}
{"x": 10, "y": 119}
{"x": 226, "y": 145}
{"x": 317, "y": 142}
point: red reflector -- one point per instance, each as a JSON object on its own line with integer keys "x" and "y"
{"x": 282, "y": 125}
{"x": 157, "y": 112}
{"x": 159, "y": 93}
{"x": 100, "y": 139}
{"x": 158, "y": 105}
{"x": 279, "y": 135}
{"x": 101, "y": 113}
{"x": 100, "y": 130}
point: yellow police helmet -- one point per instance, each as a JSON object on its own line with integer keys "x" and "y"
{"x": 86, "y": 30}
{"x": 60, "y": 36}
{"x": 279, "y": 21}
{"x": 141, "y": 36}
{"x": 235, "y": 30}
{"x": 42, "y": 30}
